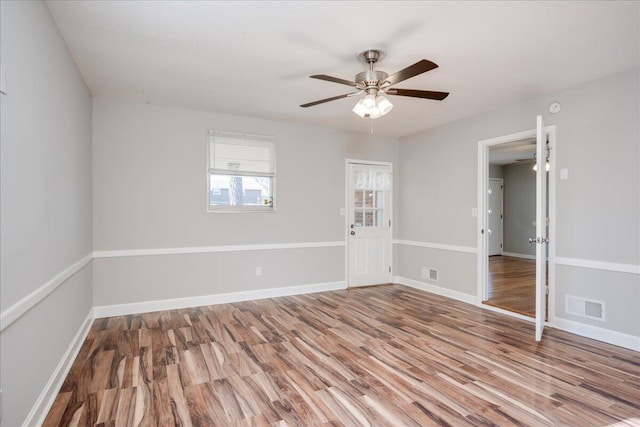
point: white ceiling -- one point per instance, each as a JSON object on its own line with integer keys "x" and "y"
{"x": 513, "y": 152}
{"x": 254, "y": 58}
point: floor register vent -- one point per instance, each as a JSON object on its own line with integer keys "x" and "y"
{"x": 591, "y": 309}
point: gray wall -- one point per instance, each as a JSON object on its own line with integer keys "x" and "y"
{"x": 149, "y": 166}
{"x": 519, "y": 208}
{"x": 45, "y": 200}
{"x": 495, "y": 171}
{"x": 597, "y": 207}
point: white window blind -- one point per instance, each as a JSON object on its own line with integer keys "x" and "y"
{"x": 241, "y": 154}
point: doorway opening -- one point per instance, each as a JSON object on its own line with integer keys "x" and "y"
{"x": 511, "y": 211}
{"x": 511, "y": 241}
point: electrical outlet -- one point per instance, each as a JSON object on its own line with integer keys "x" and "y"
{"x": 424, "y": 274}
{"x": 258, "y": 271}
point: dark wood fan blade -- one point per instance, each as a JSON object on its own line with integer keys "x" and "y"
{"x": 419, "y": 67}
{"x": 322, "y": 101}
{"x": 427, "y": 94}
{"x": 333, "y": 79}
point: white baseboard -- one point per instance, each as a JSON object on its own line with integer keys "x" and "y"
{"x": 632, "y": 342}
{"x": 429, "y": 245}
{"x": 171, "y": 304}
{"x": 438, "y": 290}
{"x": 515, "y": 255}
{"x": 46, "y": 399}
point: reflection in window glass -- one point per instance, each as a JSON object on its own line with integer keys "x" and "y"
{"x": 358, "y": 218}
{"x": 368, "y": 219}
{"x": 368, "y": 199}
{"x": 233, "y": 190}
{"x": 379, "y": 218}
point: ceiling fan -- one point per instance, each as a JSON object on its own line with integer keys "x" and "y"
{"x": 376, "y": 84}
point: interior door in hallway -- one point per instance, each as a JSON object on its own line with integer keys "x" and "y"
{"x": 495, "y": 215}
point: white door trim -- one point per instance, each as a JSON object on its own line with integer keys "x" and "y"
{"x": 483, "y": 175}
{"x": 346, "y": 213}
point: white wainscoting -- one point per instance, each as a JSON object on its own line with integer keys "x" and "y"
{"x": 46, "y": 399}
{"x": 171, "y": 304}
{"x": 438, "y": 290}
{"x": 620, "y": 339}
{"x": 466, "y": 249}
{"x": 18, "y": 309}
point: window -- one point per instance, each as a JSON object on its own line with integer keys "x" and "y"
{"x": 241, "y": 172}
{"x": 370, "y": 188}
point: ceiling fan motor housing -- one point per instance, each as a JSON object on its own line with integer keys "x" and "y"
{"x": 369, "y": 79}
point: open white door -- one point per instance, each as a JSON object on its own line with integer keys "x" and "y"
{"x": 541, "y": 238}
{"x": 369, "y": 233}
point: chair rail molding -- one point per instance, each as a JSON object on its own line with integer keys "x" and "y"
{"x": 17, "y": 310}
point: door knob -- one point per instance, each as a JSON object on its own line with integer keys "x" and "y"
{"x": 353, "y": 233}
{"x": 533, "y": 240}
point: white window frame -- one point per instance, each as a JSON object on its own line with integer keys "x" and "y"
{"x": 209, "y": 171}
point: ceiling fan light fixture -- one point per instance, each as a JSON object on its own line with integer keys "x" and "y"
{"x": 369, "y": 102}
{"x": 384, "y": 105}
{"x": 375, "y": 112}
{"x": 360, "y": 109}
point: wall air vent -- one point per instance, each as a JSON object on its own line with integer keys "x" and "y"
{"x": 433, "y": 274}
{"x": 588, "y": 308}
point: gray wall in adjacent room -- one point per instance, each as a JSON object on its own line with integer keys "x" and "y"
{"x": 519, "y": 208}
{"x": 45, "y": 200}
{"x": 495, "y": 171}
{"x": 597, "y": 207}
{"x": 150, "y": 191}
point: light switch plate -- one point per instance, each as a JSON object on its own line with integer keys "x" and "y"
{"x": 3, "y": 80}
{"x": 564, "y": 173}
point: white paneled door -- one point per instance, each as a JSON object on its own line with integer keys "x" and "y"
{"x": 494, "y": 213}
{"x": 541, "y": 239}
{"x": 369, "y": 223}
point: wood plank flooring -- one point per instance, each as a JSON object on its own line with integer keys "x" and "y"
{"x": 512, "y": 284}
{"x": 378, "y": 356}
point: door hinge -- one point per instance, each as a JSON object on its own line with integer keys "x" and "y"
{"x": 389, "y": 269}
{"x": 546, "y": 290}
{"x": 501, "y": 245}
{"x": 389, "y": 223}
{"x": 501, "y": 187}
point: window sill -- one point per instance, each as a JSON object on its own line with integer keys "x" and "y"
{"x": 245, "y": 209}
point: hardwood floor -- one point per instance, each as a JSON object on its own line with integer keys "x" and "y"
{"x": 386, "y": 355}
{"x": 512, "y": 284}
